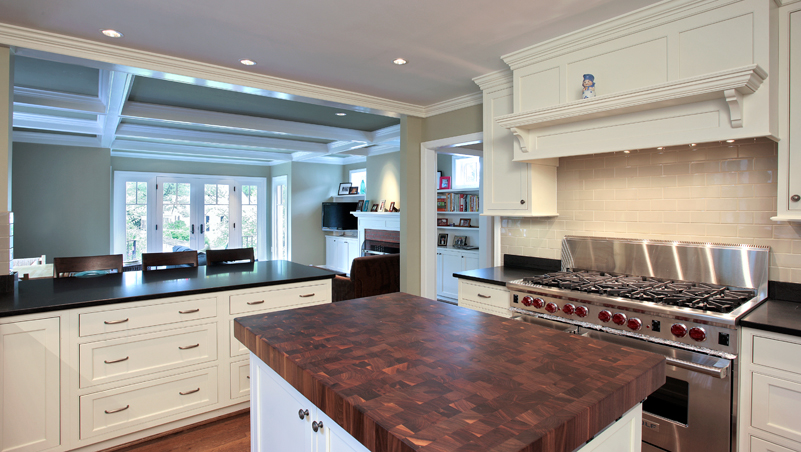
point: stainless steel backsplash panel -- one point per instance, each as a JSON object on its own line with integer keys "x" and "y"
{"x": 729, "y": 265}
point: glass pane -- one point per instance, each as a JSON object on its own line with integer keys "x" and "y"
{"x": 359, "y": 179}
{"x": 217, "y": 219}
{"x": 135, "y": 231}
{"x": 210, "y": 194}
{"x": 141, "y": 193}
{"x": 175, "y": 211}
{"x": 249, "y": 237}
{"x": 130, "y": 193}
{"x": 466, "y": 172}
{"x": 248, "y": 194}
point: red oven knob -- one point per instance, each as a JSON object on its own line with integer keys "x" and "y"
{"x": 604, "y": 316}
{"x": 582, "y": 311}
{"x": 551, "y": 307}
{"x": 568, "y": 309}
{"x": 619, "y": 318}
{"x": 538, "y": 303}
{"x": 528, "y": 301}
{"x": 634, "y": 324}
{"x": 698, "y": 334}
{"x": 678, "y": 330}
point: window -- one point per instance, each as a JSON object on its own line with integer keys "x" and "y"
{"x": 466, "y": 172}
{"x": 156, "y": 212}
{"x": 358, "y": 178}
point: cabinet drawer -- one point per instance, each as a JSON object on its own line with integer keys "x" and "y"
{"x": 777, "y": 354}
{"x": 774, "y": 406}
{"x": 237, "y": 348}
{"x": 136, "y": 407}
{"x": 240, "y": 379}
{"x": 282, "y": 297}
{"x": 485, "y": 294}
{"x": 144, "y": 316}
{"x": 760, "y": 445}
{"x": 485, "y": 308}
{"x": 118, "y": 359}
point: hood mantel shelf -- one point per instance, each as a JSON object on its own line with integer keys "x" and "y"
{"x": 731, "y": 84}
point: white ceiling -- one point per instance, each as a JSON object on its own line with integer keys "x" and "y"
{"x": 347, "y": 44}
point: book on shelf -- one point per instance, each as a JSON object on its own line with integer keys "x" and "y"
{"x": 457, "y": 202}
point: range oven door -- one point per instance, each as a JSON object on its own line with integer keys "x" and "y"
{"x": 692, "y": 411}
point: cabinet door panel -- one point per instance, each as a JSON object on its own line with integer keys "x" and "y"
{"x": 330, "y": 251}
{"x": 774, "y": 406}
{"x": 505, "y": 181}
{"x": 451, "y": 263}
{"x": 758, "y": 445}
{"x": 439, "y": 273}
{"x": 275, "y": 423}
{"x": 334, "y": 438}
{"x": 795, "y": 110}
{"x": 470, "y": 262}
{"x": 29, "y": 385}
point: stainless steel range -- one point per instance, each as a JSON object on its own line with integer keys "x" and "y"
{"x": 679, "y": 299}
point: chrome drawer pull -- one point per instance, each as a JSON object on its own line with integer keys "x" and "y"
{"x": 189, "y": 392}
{"x": 189, "y": 311}
{"x": 307, "y": 295}
{"x": 481, "y": 295}
{"x": 255, "y": 302}
{"x": 114, "y": 322}
{"x": 118, "y": 410}
{"x": 188, "y": 347}
{"x": 117, "y": 360}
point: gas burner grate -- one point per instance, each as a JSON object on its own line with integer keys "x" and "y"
{"x": 685, "y": 294}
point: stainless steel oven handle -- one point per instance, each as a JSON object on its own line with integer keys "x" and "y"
{"x": 719, "y": 372}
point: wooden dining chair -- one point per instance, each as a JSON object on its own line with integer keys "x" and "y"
{"x": 161, "y": 259}
{"x": 65, "y": 267}
{"x": 229, "y": 255}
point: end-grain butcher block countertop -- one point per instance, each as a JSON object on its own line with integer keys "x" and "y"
{"x": 403, "y": 373}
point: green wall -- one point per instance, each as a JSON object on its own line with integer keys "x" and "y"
{"x": 310, "y": 185}
{"x": 453, "y": 123}
{"x": 383, "y": 177}
{"x": 62, "y": 201}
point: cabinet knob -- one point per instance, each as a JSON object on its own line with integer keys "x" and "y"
{"x": 795, "y": 198}
{"x": 317, "y": 425}
{"x": 522, "y": 201}
{"x": 303, "y": 413}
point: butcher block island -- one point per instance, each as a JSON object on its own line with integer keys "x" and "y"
{"x": 402, "y": 373}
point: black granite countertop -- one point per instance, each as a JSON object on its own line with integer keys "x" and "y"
{"x": 780, "y": 313}
{"x": 42, "y": 295}
{"x": 514, "y": 267}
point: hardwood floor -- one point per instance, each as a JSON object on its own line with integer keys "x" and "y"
{"x": 228, "y": 434}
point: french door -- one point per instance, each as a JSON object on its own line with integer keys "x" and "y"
{"x": 280, "y": 227}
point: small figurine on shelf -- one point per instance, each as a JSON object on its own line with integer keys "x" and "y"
{"x": 588, "y": 85}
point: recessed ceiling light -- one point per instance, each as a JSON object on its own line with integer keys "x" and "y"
{"x": 341, "y": 114}
{"x": 729, "y": 141}
{"x": 400, "y": 61}
{"x": 247, "y": 62}
{"x": 693, "y": 144}
{"x": 627, "y": 152}
{"x": 661, "y": 147}
{"x": 111, "y": 33}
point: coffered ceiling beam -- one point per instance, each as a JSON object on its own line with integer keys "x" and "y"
{"x": 151, "y": 112}
{"x": 59, "y": 140}
{"x": 114, "y": 91}
{"x": 55, "y": 123}
{"x": 60, "y": 101}
{"x": 391, "y": 133}
{"x": 213, "y": 138}
{"x": 173, "y": 149}
{"x": 186, "y": 158}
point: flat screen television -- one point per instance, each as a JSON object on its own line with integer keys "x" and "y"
{"x": 336, "y": 216}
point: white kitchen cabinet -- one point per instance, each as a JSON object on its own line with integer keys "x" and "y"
{"x": 484, "y": 297}
{"x": 450, "y": 261}
{"x": 788, "y": 200}
{"x": 340, "y": 252}
{"x": 770, "y": 392}
{"x": 511, "y": 188}
{"x": 29, "y": 385}
{"x": 282, "y": 419}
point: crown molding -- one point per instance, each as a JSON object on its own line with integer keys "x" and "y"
{"x": 59, "y": 101}
{"x": 326, "y": 160}
{"x": 197, "y": 151}
{"x": 644, "y": 18}
{"x": 55, "y": 139}
{"x": 185, "y": 158}
{"x": 457, "y": 103}
{"x": 12, "y": 35}
{"x": 56, "y": 123}
{"x": 494, "y": 80}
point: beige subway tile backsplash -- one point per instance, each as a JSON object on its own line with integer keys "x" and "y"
{"x": 713, "y": 192}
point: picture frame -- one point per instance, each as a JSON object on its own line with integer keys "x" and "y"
{"x": 381, "y": 207}
{"x": 442, "y": 222}
{"x": 366, "y": 206}
{"x": 360, "y": 206}
{"x": 459, "y": 241}
{"x": 439, "y": 175}
{"x": 396, "y": 209}
{"x": 353, "y": 191}
{"x": 374, "y": 208}
{"x": 464, "y": 222}
{"x": 444, "y": 183}
{"x": 391, "y": 207}
{"x": 442, "y": 240}
{"x": 344, "y": 188}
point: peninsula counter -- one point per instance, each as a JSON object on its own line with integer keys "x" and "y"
{"x": 403, "y": 373}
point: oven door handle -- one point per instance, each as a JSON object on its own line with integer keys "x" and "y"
{"x": 719, "y": 372}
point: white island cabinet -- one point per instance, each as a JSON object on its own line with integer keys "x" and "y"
{"x": 282, "y": 419}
